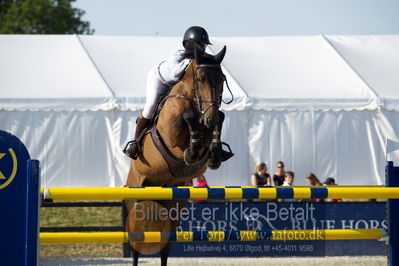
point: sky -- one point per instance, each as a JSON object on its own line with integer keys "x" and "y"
{"x": 242, "y": 18}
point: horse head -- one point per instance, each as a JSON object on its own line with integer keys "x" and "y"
{"x": 208, "y": 85}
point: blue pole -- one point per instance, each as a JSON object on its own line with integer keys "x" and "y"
{"x": 32, "y": 212}
{"x": 16, "y": 242}
{"x": 392, "y": 180}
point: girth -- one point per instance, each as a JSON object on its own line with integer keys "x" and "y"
{"x": 177, "y": 167}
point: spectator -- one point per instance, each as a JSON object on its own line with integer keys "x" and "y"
{"x": 200, "y": 181}
{"x": 289, "y": 181}
{"x": 278, "y": 177}
{"x": 289, "y": 178}
{"x": 312, "y": 180}
{"x": 331, "y": 182}
{"x": 261, "y": 177}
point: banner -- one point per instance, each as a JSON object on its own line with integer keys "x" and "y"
{"x": 280, "y": 216}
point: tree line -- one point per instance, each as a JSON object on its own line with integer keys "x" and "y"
{"x": 42, "y": 17}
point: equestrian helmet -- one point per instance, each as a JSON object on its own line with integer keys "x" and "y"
{"x": 197, "y": 34}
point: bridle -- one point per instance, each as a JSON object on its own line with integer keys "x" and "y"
{"x": 197, "y": 99}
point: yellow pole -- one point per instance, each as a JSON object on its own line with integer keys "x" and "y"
{"x": 328, "y": 234}
{"x": 187, "y": 236}
{"x": 159, "y": 193}
{"x": 66, "y": 238}
{"x": 363, "y": 193}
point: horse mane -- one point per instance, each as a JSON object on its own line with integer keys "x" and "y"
{"x": 190, "y": 47}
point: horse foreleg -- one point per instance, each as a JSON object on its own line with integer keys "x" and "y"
{"x": 135, "y": 257}
{"x": 191, "y": 154}
{"x": 215, "y": 155}
{"x": 164, "y": 254}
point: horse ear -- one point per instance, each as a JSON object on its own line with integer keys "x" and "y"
{"x": 219, "y": 57}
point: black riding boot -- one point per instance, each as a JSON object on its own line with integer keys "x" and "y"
{"x": 132, "y": 148}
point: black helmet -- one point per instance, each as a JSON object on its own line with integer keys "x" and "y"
{"x": 197, "y": 34}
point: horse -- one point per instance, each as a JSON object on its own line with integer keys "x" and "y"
{"x": 183, "y": 141}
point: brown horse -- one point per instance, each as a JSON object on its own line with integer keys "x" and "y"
{"x": 183, "y": 142}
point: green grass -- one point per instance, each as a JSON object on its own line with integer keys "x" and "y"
{"x": 80, "y": 216}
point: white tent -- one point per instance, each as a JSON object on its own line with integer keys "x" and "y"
{"x": 322, "y": 104}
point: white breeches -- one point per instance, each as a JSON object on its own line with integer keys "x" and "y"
{"x": 154, "y": 89}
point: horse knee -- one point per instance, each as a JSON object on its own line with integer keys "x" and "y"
{"x": 190, "y": 117}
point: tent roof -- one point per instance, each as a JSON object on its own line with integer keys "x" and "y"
{"x": 49, "y": 73}
{"x": 376, "y": 60}
{"x": 70, "y": 72}
{"x": 294, "y": 73}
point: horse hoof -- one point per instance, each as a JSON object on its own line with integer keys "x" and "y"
{"x": 213, "y": 164}
{"x": 188, "y": 159}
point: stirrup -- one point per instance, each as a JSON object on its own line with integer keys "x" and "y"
{"x": 132, "y": 155}
{"x": 226, "y": 154}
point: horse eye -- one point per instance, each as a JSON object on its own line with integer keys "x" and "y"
{"x": 199, "y": 79}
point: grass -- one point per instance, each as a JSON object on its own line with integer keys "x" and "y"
{"x": 80, "y": 216}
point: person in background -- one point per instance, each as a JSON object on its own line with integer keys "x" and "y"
{"x": 279, "y": 175}
{"x": 289, "y": 178}
{"x": 261, "y": 177}
{"x": 312, "y": 180}
{"x": 331, "y": 182}
{"x": 289, "y": 181}
{"x": 199, "y": 181}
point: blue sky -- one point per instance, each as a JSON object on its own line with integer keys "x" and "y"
{"x": 242, "y": 18}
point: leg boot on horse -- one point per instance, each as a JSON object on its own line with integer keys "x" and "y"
{"x": 217, "y": 155}
{"x": 132, "y": 148}
{"x": 191, "y": 153}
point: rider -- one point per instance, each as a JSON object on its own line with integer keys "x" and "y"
{"x": 164, "y": 76}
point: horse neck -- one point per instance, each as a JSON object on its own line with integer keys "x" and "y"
{"x": 185, "y": 86}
